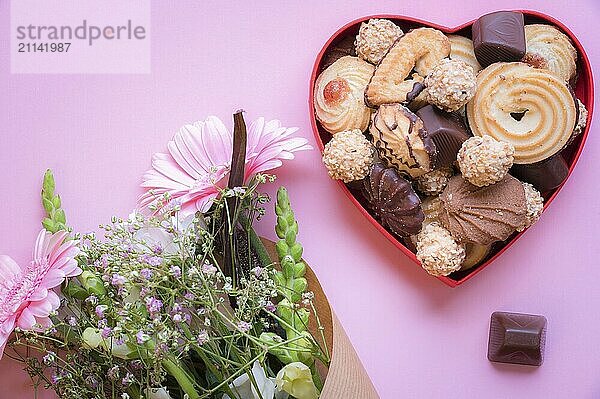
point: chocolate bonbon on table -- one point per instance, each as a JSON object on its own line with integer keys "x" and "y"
{"x": 517, "y": 338}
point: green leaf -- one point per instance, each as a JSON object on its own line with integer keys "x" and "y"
{"x": 48, "y": 185}
{"x": 300, "y": 285}
{"x": 282, "y": 249}
{"x": 296, "y": 252}
{"x": 287, "y": 266}
{"x": 75, "y": 291}
{"x": 49, "y": 225}
{"x": 299, "y": 269}
{"x": 48, "y": 205}
{"x": 60, "y": 217}
{"x": 290, "y": 237}
{"x": 56, "y": 201}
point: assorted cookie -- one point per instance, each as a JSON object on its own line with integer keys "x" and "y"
{"x": 452, "y": 140}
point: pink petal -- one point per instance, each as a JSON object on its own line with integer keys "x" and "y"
{"x": 26, "y": 320}
{"x": 39, "y": 294}
{"x": 181, "y": 155}
{"x": 53, "y": 278}
{"x": 40, "y": 308}
{"x": 8, "y": 325}
{"x": 8, "y": 268}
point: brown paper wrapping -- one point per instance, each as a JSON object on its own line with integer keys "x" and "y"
{"x": 346, "y": 377}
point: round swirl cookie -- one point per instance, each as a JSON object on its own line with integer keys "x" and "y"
{"x": 549, "y": 48}
{"x": 461, "y": 49}
{"x": 530, "y": 108}
{"x": 339, "y": 95}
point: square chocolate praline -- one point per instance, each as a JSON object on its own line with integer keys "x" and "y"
{"x": 499, "y": 36}
{"x": 517, "y": 338}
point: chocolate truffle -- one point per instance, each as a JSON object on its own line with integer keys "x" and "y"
{"x": 393, "y": 201}
{"x": 581, "y": 119}
{"x": 484, "y": 161}
{"x": 348, "y": 156}
{"x": 375, "y": 38}
{"x": 450, "y": 85}
{"x": 517, "y": 338}
{"x": 437, "y": 251}
{"x": 446, "y": 130}
{"x": 499, "y": 36}
{"x": 483, "y": 215}
{"x": 434, "y": 182}
{"x": 535, "y": 206}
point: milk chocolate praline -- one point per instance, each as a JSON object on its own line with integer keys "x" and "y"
{"x": 483, "y": 215}
{"x": 499, "y": 36}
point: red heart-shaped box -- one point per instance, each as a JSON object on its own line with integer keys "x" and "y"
{"x": 584, "y": 90}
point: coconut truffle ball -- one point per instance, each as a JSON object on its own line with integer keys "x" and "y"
{"x": 434, "y": 182}
{"x": 450, "y": 85}
{"x": 375, "y": 38}
{"x": 582, "y": 120}
{"x": 437, "y": 251}
{"x": 348, "y": 156}
{"x": 535, "y": 205}
{"x": 484, "y": 160}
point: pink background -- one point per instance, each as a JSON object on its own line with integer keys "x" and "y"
{"x": 103, "y": 56}
{"x": 416, "y": 337}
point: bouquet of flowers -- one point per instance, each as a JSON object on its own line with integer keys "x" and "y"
{"x": 181, "y": 299}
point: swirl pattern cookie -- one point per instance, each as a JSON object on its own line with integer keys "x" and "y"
{"x": 461, "y": 48}
{"x": 339, "y": 95}
{"x": 530, "y": 108}
{"x": 420, "y": 49}
{"x": 549, "y": 48}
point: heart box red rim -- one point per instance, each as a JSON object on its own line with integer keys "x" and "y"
{"x": 584, "y": 89}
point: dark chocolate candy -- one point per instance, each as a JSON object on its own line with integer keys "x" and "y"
{"x": 517, "y": 338}
{"x": 393, "y": 201}
{"x": 447, "y": 131}
{"x": 545, "y": 175}
{"x": 499, "y": 36}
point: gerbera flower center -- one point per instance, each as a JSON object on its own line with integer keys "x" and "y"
{"x": 17, "y": 291}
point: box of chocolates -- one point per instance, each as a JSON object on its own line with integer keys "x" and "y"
{"x": 452, "y": 141}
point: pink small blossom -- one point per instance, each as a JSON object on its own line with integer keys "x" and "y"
{"x": 27, "y": 298}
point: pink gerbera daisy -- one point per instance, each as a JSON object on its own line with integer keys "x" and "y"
{"x": 26, "y": 295}
{"x": 199, "y": 160}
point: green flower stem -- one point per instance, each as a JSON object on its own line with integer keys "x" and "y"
{"x": 258, "y": 246}
{"x": 182, "y": 377}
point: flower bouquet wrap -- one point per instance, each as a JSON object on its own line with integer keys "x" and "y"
{"x": 182, "y": 299}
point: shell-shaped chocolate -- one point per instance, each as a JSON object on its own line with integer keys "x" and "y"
{"x": 401, "y": 140}
{"x": 393, "y": 201}
{"x": 483, "y": 215}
